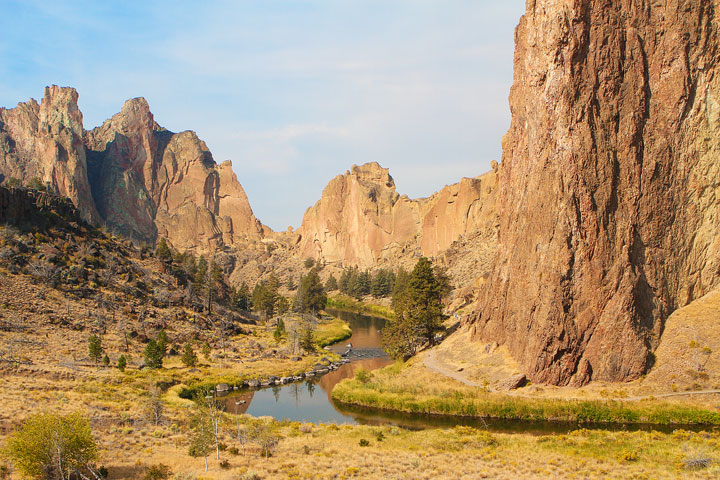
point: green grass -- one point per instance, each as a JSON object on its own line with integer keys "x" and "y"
{"x": 344, "y": 302}
{"x": 331, "y": 332}
{"x": 384, "y": 393}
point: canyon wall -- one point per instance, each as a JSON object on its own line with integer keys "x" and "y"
{"x": 361, "y": 220}
{"x": 609, "y": 185}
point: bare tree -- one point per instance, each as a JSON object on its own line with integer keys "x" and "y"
{"x": 44, "y": 272}
{"x": 155, "y": 406}
{"x": 242, "y": 433}
{"x": 212, "y": 409}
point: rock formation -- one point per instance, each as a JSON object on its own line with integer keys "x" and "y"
{"x": 137, "y": 178}
{"x": 360, "y": 218}
{"x": 609, "y": 189}
{"x": 149, "y": 181}
{"x": 44, "y": 143}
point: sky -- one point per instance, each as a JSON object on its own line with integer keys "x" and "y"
{"x": 294, "y": 92}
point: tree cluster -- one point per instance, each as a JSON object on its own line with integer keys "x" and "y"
{"x": 417, "y": 303}
{"x": 359, "y": 284}
{"x": 310, "y": 296}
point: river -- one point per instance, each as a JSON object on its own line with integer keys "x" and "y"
{"x": 310, "y": 400}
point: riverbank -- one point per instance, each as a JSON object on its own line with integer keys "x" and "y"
{"x": 394, "y": 388}
{"x": 350, "y": 304}
{"x": 331, "y": 331}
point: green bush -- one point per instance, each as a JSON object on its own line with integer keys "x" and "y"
{"x": 157, "y": 472}
{"x": 49, "y": 445}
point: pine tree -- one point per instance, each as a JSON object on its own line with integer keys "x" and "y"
{"x": 331, "y": 284}
{"x": 162, "y": 250}
{"x": 122, "y": 363}
{"x": 163, "y": 341}
{"x": 153, "y": 355}
{"x": 95, "y": 348}
{"x": 189, "y": 358}
{"x": 418, "y": 312}
{"x": 311, "y": 295}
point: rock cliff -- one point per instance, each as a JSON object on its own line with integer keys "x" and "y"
{"x": 361, "y": 220}
{"x": 137, "y": 178}
{"x": 609, "y": 189}
{"x": 149, "y": 181}
{"x": 44, "y": 142}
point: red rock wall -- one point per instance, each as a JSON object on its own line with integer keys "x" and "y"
{"x": 609, "y": 185}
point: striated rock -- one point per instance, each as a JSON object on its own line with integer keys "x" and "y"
{"x": 131, "y": 174}
{"x": 44, "y": 142}
{"x": 357, "y": 216}
{"x": 609, "y": 189}
{"x": 150, "y": 182}
{"x": 360, "y": 218}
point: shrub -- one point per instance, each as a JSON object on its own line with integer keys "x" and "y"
{"x": 362, "y": 375}
{"x": 157, "y": 472}
{"x": 122, "y": 363}
{"x": 364, "y": 442}
{"x": 697, "y": 461}
{"x": 49, "y": 445}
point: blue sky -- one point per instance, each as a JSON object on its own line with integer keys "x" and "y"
{"x": 294, "y": 92}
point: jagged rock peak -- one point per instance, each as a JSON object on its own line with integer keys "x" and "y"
{"x": 374, "y": 173}
{"x": 59, "y": 107}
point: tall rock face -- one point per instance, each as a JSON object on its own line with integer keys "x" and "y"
{"x": 360, "y": 218}
{"x": 609, "y": 189}
{"x": 149, "y": 181}
{"x": 137, "y": 178}
{"x": 358, "y": 215}
{"x": 44, "y": 142}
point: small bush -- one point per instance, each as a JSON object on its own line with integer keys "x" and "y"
{"x": 251, "y": 475}
{"x": 627, "y": 455}
{"x": 224, "y": 464}
{"x": 364, "y": 442}
{"x": 233, "y": 451}
{"x": 697, "y": 462}
{"x": 379, "y": 436}
{"x": 362, "y": 376}
{"x": 157, "y": 472}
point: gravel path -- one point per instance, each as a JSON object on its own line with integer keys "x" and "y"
{"x": 431, "y": 362}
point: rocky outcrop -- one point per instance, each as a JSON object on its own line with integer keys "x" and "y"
{"x": 137, "y": 178}
{"x": 609, "y": 185}
{"x": 20, "y": 206}
{"x": 360, "y": 218}
{"x": 149, "y": 181}
{"x": 43, "y": 143}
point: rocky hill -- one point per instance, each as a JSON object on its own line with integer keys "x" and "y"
{"x": 608, "y": 201}
{"x": 130, "y": 174}
{"x": 362, "y": 220}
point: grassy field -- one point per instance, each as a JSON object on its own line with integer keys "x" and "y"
{"x": 391, "y": 388}
{"x": 308, "y": 451}
{"x": 344, "y": 302}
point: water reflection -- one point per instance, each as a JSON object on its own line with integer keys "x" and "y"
{"x": 300, "y": 401}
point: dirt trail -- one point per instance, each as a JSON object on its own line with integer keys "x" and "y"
{"x": 436, "y": 366}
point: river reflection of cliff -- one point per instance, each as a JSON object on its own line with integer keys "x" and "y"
{"x": 238, "y": 402}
